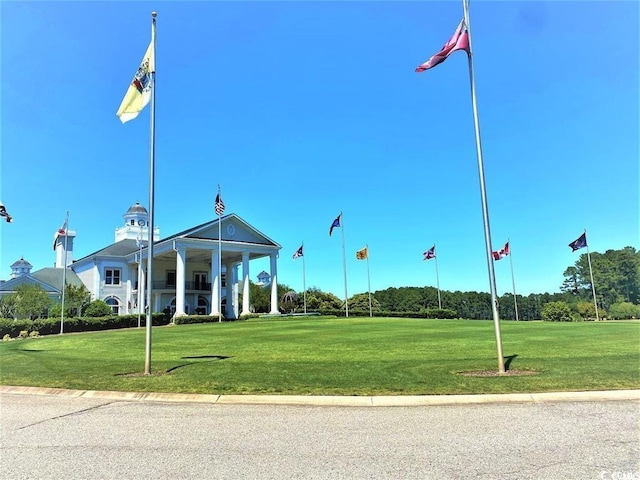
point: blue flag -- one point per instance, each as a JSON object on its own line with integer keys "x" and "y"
{"x": 336, "y": 223}
{"x": 579, "y": 242}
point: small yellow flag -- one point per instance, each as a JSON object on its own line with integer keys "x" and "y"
{"x": 362, "y": 254}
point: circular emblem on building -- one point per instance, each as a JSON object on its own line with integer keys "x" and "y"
{"x": 231, "y": 230}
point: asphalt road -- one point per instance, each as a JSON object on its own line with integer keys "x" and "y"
{"x": 84, "y": 438}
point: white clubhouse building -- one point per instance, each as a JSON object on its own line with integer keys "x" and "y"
{"x": 186, "y": 274}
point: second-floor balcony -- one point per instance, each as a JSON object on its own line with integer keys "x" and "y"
{"x": 198, "y": 286}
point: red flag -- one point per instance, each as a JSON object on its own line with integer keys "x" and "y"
{"x": 503, "y": 252}
{"x": 459, "y": 41}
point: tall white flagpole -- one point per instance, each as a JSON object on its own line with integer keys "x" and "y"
{"x": 140, "y": 293}
{"x": 152, "y": 161}
{"x": 513, "y": 282}
{"x": 344, "y": 268}
{"x": 438, "y": 283}
{"x": 369, "y": 282}
{"x": 485, "y": 208}
{"x": 220, "y": 261}
{"x": 64, "y": 270}
{"x": 593, "y": 285}
{"x": 304, "y": 286}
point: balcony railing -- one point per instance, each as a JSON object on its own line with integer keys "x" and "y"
{"x": 199, "y": 286}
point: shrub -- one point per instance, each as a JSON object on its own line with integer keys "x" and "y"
{"x": 624, "y": 310}
{"x": 97, "y": 308}
{"x": 557, "y": 312}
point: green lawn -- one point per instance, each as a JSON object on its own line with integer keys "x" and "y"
{"x": 333, "y": 356}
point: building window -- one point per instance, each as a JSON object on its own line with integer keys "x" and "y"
{"x": 112, "y": 276}
{"x": 171, "y": 278}
{"x": 133, "y": 222}
{"x": 114, "y": 303}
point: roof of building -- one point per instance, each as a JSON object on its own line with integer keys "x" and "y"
{"x": 50, "y": 279}
{"x": 118, "y": 249}
{"x": 53, "y": 277}
{"x": 21, "y": 263}
{"x": 136, "y": 208}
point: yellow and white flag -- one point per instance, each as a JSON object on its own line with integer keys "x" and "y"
{"x": 362, "y": 254}
{"x": 139, "y": 92}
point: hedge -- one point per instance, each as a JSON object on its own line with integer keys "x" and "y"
{"x": 50, "y": 326}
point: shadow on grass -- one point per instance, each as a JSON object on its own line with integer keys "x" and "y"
{"x": 211, "y": 358}
{"x": 507, "y": 361}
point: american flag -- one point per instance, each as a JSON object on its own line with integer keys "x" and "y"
{"x": 429, "y": 254}
{"x": 5, "y": 214}
{"x": 219, "y": 205}
{"x": 298, "y": 253}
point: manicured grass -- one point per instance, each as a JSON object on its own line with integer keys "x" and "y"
{"x": 333, "y": 356}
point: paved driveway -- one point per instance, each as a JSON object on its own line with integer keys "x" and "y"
{"x": 83, "y": 438}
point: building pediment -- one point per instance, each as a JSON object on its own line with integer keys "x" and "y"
{"x": 232, "y": 229}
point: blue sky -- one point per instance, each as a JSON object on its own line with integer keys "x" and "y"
{"x": 303, "y": 110}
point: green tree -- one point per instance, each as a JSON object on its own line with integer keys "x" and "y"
{"x": 260, "y": 298}
{"x": 360, "y": 302}
{"x": 557, "y": 312}
{"x": 98, "y": 308}
{"x": 76, "y": 299}
{"x": 586, "y": 310}
{"x": 8, "y": 306}
{"x": 318, "y": 300}
{"x": 624, "y": 310}
{"x": 31, "y": 301}
{"x": 616, "y": 275}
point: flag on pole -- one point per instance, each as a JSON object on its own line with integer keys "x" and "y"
{"x": 219, "y": 207}
{"x": 5, "y": 214}
{"x": 459, "y": 41}
{"x": 61, "y": 231}
{"x": 335, "y": 224}
{"x": 298, "y": 253}
{"x": 363, "y": 253}
{"x": 139, "y": 91}
{"x": 503, "y": 252}
{"x": 429, "y": 254}
{"x": 579, "y": 242}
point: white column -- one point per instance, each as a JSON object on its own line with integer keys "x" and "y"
{"x": 236, "y": 290}
{"x": 274, "y": 283}
{"x": 142, "y": 290}
{"x": 228, "y": 294}
{"x": 215, "y": 283}
{"x": 245, "y": 283}
{"x": 180, "y": 268}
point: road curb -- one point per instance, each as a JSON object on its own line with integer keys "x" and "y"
{"x": 336, "y": 401}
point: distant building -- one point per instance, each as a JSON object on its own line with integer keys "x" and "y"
{"x": 186, "y": 277}
{"x": 263, "y": 279}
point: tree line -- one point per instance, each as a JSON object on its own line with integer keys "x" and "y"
{"x": 616, "y": 275}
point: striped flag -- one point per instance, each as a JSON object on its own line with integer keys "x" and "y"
{"x": 219, "y": 206}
